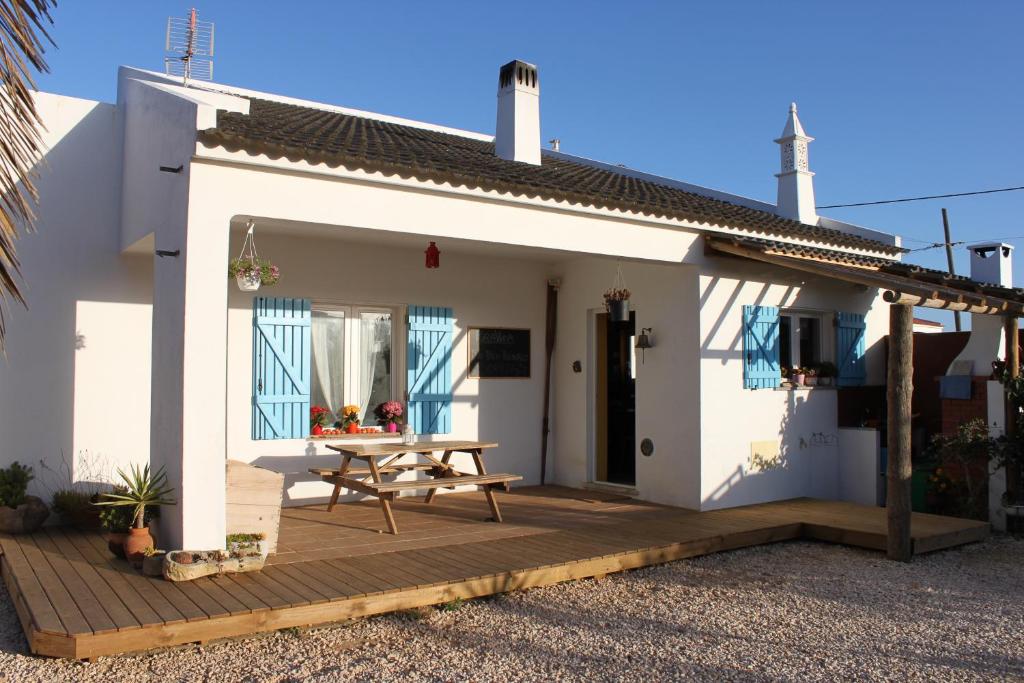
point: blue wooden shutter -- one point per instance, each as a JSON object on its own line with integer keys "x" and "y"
{"x": 850, "y": 350}
{"x": 761, "y": 347}
{"x": 280, "y": 368}
{"x": 429, "y": 361}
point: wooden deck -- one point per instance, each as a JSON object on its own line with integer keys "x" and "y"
{"x": 75, "y": 600}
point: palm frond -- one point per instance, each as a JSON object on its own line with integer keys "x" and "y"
{"x": 22, "y": 33}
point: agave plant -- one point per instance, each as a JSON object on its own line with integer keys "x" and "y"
{"x": 143, "y": 489}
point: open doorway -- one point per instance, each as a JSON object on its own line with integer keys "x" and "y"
{"x": 615, "y": 401}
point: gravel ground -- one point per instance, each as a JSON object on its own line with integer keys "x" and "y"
{"x": 794, "y": 611}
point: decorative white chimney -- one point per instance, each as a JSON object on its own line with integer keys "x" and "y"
{"x": 991, "y": 263}
{"x": 517, "y": 136}
{"x": 796, "y": 182}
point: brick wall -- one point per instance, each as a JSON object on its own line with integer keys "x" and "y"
{"x": 955, "y": 412}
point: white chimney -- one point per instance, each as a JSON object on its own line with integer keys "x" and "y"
{"x": 517, "y": 137}
{"x": 992, "y": 263}
{"x": 796, "y": 182}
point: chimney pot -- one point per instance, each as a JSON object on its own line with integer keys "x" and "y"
{"x": 992, "y": 263}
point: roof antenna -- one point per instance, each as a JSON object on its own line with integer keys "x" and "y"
{"x": 190, "y": 43}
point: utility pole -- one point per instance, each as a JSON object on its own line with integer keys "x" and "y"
{"x": 949, "y": 260}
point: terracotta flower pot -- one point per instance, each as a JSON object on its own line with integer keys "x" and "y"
{"x": 352, "y": 428}
{"x": 136, "y": 543}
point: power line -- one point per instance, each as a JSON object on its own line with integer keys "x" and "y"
{"x": 918, "y": 199}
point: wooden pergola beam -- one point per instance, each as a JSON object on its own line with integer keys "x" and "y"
{"x": 903, "y": 288}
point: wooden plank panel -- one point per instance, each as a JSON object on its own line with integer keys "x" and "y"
{"x": 163, "y": 596}
{"x": 25, "y": 583}
{"x": 285, "y": 574}
{"x": 59, "y": 570}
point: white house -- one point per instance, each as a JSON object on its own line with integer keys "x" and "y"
{"x": 137, "y": 347}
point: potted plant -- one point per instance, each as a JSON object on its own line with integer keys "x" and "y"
{"x": 827, "y": 372}
{"x": 76, "y": 509}
{"x": 250, "y": 273}
{"x": 318, "y": 420}
{"x": 811, "y": 376}
{"x": 387, "y": 414}
{"x": 797, "y": 375}
{"x": 350, "y": 419}
{"x": 616, "y": 301}
{"x": 153, "y": 561}
{"x": 142, "y": 489}
{"x": 19, "y": 513}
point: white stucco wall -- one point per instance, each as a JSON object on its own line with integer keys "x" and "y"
{"x": 802, "y": 421}
{"x": 482, "y": 290}
{"x": 664, "y": 298}
{"x": 75, "y": 382}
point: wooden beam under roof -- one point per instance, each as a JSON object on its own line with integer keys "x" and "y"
{"x": 899, "y": 289}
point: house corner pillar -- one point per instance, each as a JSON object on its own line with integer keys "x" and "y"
{"x": 188, "y": 422}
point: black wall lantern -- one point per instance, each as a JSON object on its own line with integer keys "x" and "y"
{"x": 643, "y": 342}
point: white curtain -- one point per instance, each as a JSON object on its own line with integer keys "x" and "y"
{"x": 328, "y": 371}
{"x": 374, "y": 362}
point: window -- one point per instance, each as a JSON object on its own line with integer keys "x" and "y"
{"x": 352, "y": 353}
{"x": 802, "y": 339}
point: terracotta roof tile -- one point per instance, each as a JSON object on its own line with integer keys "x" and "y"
{"x": 337, "y": 139}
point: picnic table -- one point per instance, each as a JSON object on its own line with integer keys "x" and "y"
{"x": 385, "y": 459}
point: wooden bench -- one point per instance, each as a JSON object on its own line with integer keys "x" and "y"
{"x": 370, "y": 480}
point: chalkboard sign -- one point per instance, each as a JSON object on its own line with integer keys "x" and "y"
{"x": 496, "y": 352}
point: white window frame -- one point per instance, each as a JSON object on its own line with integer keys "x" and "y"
{"x": 826, "y": 339}
{"x": 351, "y": 362}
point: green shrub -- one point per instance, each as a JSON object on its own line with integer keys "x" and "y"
{"x": 68, "y": 502}
{"x": 13, "y": 484}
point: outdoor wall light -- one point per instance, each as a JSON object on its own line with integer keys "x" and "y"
{"x": 643, "y": 342}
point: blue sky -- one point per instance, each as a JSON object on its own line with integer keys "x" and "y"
{"x": 904, "y": 98}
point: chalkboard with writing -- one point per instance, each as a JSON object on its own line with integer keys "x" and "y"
{"x": 496, "y": 352}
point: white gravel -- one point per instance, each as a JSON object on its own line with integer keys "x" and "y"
{"x": 795, "y": 611}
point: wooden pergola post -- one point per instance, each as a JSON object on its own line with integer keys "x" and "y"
{"x": 1013, "y": 473}
{"x": 898, "y": 470}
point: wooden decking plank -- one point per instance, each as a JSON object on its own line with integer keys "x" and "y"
{"x": 484, "y": 564}
{"x": 99, "y": 581}
{"x": 88, "y": 606}
{"x": 353, "y": 576}
{"x": 329, "y": 581}
{"x": 200, "y": 598}
{"x": 170, "y": 610}
{"x": 543, "y": 553}
{"x": 282, "y": 590}
{"x": 224, "y": 592}
{"x": 399, "y": 568}
{"x": 239, "y": 590}
{"x": 380, "y": 570}
{"x": 284, "y": 573}
{"x": 360, "y": 566}
{"x": 266, "y": 596}
{"x": 42, "y": 612}
{"x": 441, "y": 568}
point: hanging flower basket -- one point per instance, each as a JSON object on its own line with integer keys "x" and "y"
{"x": 616, "y": 299}
{"x": 249, "y": 270}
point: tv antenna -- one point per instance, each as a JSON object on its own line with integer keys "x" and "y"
{"x": 190, "y": 44}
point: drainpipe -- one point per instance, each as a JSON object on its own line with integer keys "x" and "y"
{"x": 549, "y": 348}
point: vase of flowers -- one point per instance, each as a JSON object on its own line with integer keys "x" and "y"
{"x": 318, "y": 420}
{"x": 616, "y": 301}
{"x": 811, "y": 377}
{"x": 350, "y": 418}
{"x": 387, "y": 414}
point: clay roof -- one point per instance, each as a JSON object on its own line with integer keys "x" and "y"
{"x": 337, "y": 139}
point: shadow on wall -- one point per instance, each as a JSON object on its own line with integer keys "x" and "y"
{"x": 71, "y": 264}
{"x": 801, "y": 424}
